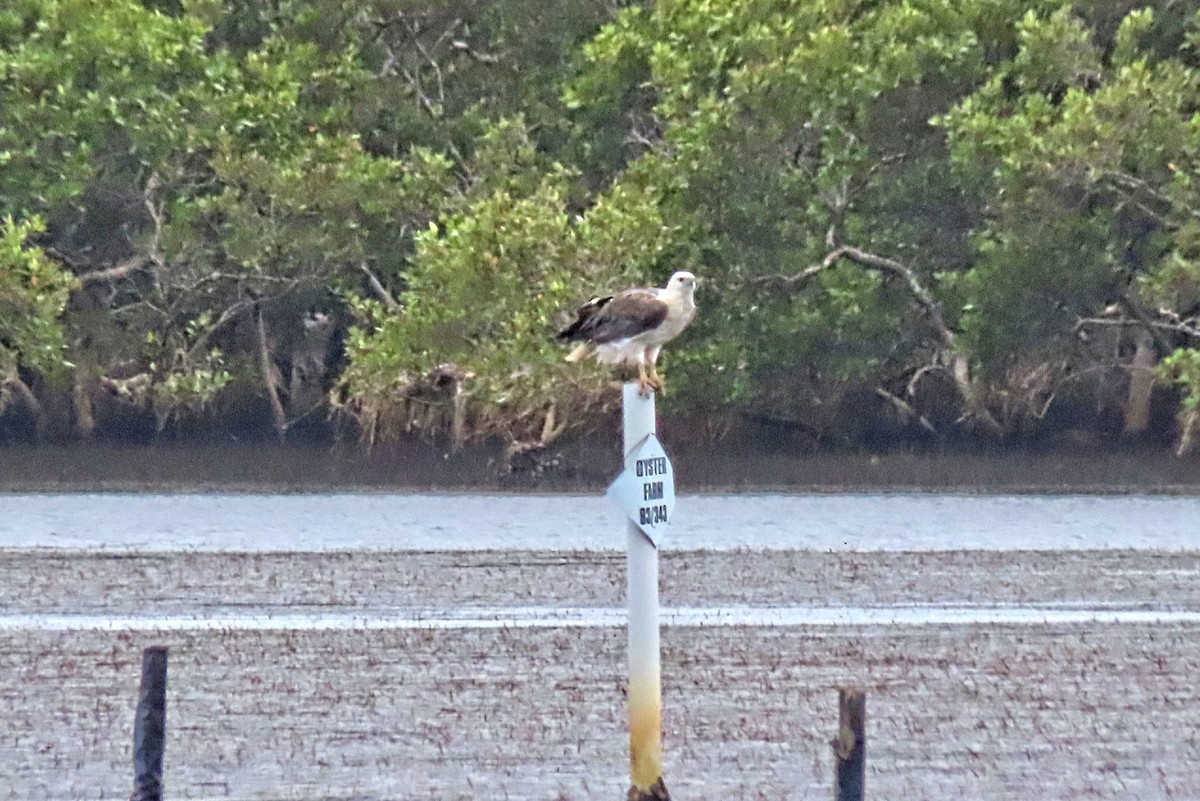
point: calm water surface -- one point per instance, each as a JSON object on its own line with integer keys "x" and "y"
{"x": 353, "y": 521}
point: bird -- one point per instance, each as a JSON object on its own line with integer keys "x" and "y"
{"x": 632, "y": 326}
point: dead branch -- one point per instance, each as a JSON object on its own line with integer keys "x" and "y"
{"x": 270, "y": 374}
{"x": 20, "y": 390}
{"x": 380, "y": 290}
{"x": 1134, "y": 308}
{"x": 1128, "y": 183}
{"x": 112, "y": 274}
{"x": 550, "y": 431}
{"x": 154, "y": 209}
{"x": 1189, "y": 329}
{"x": 483, "y": 58}
{"x": 458, "y": 423}
{"x": 227, "y": 315}
{"x": 1187, "y": 432}
{"x": 932, "y": 308}
{"x": 959, "y": 365}
{"x": 906, "y": 409}
{"x": 801, "y": 278}
{"x": 911, "y": 388}
{"x": 881, "y": 263}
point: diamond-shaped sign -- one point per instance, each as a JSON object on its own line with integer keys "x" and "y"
{"x": 646, "y": 490}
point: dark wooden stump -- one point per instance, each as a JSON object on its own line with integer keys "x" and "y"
{"x": 150, "y": 727}
{"x": 657, "y": 792}
{"x": 849, "y": 747}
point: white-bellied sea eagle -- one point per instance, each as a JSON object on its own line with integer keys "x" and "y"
{"x": 631, "y": 327}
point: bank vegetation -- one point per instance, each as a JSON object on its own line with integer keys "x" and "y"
{"x": 927, "y": 221}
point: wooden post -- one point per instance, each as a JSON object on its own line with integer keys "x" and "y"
{"x": 849, "y": 747}
{"x": 149, "y": 727}
{"x": 645, "y": 679}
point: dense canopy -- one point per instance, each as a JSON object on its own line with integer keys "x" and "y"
{"x": 925, "y": 220}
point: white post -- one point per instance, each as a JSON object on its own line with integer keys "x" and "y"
{"x": 645, "y": 680}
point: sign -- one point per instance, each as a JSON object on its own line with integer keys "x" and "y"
{"x": 646, "y": 490}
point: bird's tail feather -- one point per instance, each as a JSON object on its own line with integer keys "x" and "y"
{"x": 581, "y": 352}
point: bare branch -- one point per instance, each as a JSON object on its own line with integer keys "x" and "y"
{"x": 911, "y": 388}
{"x": 918, "y": 290}
{"x": 906, "y": 409}
{"x": 437, "y": 70}
{"x": 1137, "y": 311}
{"x": 389, "y": 64}
{"x": 115, "y": 273}
{"x": 270, "y": 374}
{"x": 380, "y": 290}
{"x": 958, "y": 364}
{"x": 226, "y": 316}
{"x": 154, "y": 208}
{"x": 881, "y": 263}
{"x": 484, "y": 58}
{"x": 1125, "y": 322}
{"x": 801, "y": 278}
{"x": 18, "y": 388}
{"x": 1129, "y": 183}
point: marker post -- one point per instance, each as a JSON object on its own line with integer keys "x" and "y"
{"x": 636, "y": 492}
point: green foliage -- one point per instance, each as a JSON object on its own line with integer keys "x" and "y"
{"x": 772, "y": 125}
{"x": 69, "y": 88}
{"x": 490, "y": 281}
{"x": 457, "y": 176}
{"x": 1086, "y": 162}
{"x": 229, "y": 170}
{"x": 33, "y": 293}
{"x": 1183, "y": 368}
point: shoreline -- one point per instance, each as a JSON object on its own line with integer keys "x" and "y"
{"x": 583, "y": 467}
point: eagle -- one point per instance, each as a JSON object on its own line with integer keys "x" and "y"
{"x": 631, "y": 327}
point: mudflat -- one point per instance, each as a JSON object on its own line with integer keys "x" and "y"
{"x": 313, "y": 676}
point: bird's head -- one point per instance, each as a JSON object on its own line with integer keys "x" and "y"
{"x": 681, "y": 281}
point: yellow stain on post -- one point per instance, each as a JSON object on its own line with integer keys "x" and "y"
{"x": 645, "y": 732}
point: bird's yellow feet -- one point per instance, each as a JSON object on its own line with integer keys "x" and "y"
{"x": 646, "y": 383}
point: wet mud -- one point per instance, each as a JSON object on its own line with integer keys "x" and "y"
{"x": 585, "y": 465}
{"x": 1048, "y": 711}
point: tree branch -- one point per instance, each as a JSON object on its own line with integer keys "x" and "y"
{"x": 269, "y": 374}
{"x": 881, "y": 263}
{"x": 1129, "y": 183}
{"x": 115, "y": 273}
{"x": 906, "y": 409}
{"x": 915, "y": 287}
{"x": 380, "y": 290}
{"x": 958, "y": 364}
{"x": 21, "y": 390}
{"x": 1139, "y": 313}
{"x": 484, "y": 58}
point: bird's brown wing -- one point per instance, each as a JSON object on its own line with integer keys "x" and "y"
{"x": 621, "y": 316}
{"x": 585, "y": 313}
